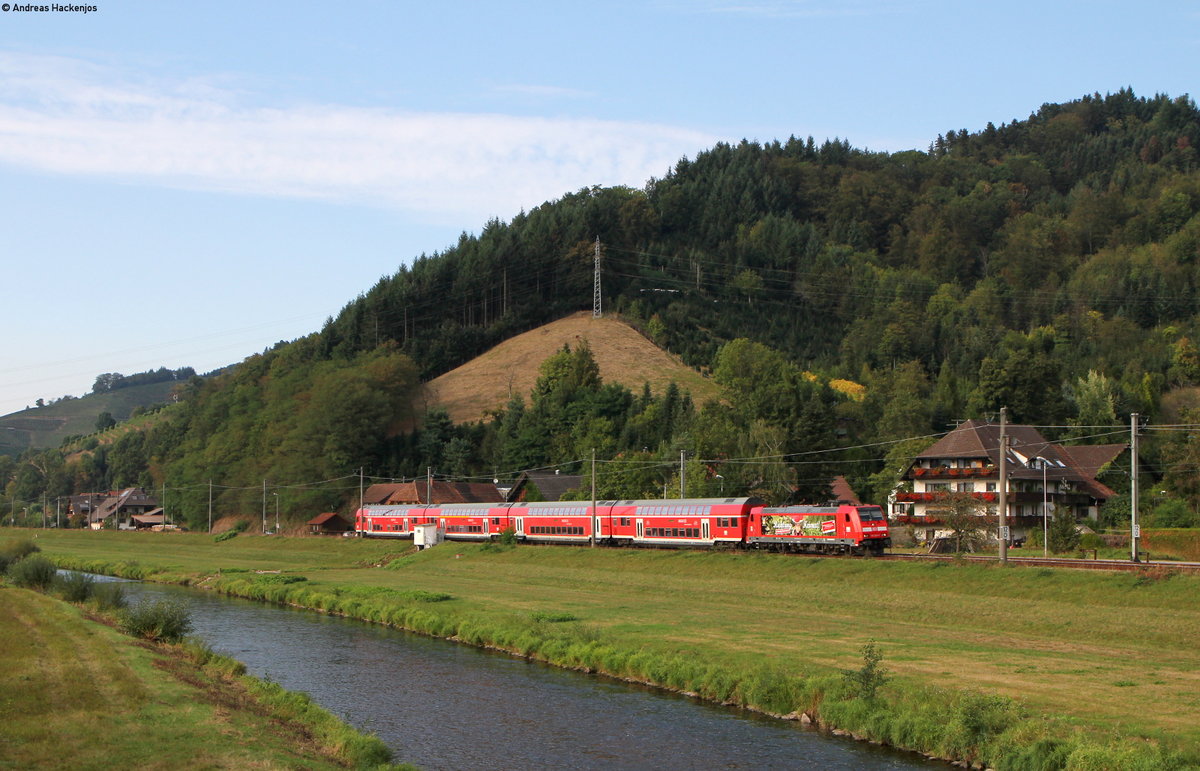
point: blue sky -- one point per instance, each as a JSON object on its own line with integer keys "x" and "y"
{"x": 184, "y": 184}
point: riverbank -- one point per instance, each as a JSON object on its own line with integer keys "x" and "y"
{"x": 977, "y": 657}
{"x": 76, "y": 693}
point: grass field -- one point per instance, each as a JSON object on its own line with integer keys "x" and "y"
{"x": 1111, "y": 655}
{"x": 77, "y": 694}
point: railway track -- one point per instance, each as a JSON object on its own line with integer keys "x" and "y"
{"x": 1057, "y": 562}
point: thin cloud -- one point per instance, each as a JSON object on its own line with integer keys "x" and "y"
{"x": 542, "y": 92}
{"x": 73, "y": 117}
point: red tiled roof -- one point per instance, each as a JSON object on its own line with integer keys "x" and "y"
{"x": 402, "y": 492}
{"x": 842, "y": 491}
{"x": 443, "y": 492}
{"x": 321, "y": 519}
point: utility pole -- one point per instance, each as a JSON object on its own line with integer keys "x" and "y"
{"x": 592, "y": 537}
{"x": 1045, "y": 514}
{"x": 429, "y": 485}
{"x": 264, "y": 506}
{"x": 1004, "y": 485}
{"x": 58, "y": 512}
{"x": 163, "y": 503}
{"x": 682, "y": 476}
{"x": 210, "y": 505}
{"x": 1135, "y": 528}
{"x": 596, "y": 311}
{"x": 360, "y": 488}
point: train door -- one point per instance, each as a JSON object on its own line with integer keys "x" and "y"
{"x": 520, "y": 530}
{"x": 704, "y": 529}
{"x": 641, "y": 530}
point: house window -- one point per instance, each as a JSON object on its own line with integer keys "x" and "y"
{"x": 966, "y": 487}
{"x": 991, "y": 487}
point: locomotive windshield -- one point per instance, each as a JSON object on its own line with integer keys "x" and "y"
{"x": 870, "y": 513}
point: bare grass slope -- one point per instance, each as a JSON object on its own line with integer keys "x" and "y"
{"x": 624, "y": 356}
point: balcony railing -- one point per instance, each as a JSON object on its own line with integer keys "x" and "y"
{"x": 989, "y": 520}
{"x": 936, "y": 497}
{"x": 946, "y": 471}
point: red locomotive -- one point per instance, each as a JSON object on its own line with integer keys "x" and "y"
{"x": 673, "y": 523}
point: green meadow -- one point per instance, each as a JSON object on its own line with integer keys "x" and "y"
{"x": 1009, "y": 667}
{"x": 76, "y": 693}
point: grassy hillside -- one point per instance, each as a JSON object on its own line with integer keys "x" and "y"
{"x": 624, "y": 356}
{"x": 43, "y": 427}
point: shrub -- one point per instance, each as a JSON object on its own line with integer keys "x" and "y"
{"x": 219, "y": 537}
{"x": 552, "y": 618}
{"x": 867, "y": 680}
{"x": 74, "y": 587}
{"x": 157, "y": 620}
{"x": 36, "y": 572}
{"x": 15, "y": 550}
{"x": 108, "y": 595}
{"x": 508, "y": 536}
{"x": 1172, "y": 513}
{"x": 1064, "y": 535}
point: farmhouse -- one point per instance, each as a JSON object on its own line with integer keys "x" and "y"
{"x": 1043, "y": 478}
{"x": 435, "y": 492}
{"x": 119, "y": 506}
{"x": 543, "y": 486}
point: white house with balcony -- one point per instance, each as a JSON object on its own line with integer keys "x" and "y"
{"x": 1043, "y": 478}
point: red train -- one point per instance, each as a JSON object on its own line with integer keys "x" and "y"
{"x": 676, "y": 523}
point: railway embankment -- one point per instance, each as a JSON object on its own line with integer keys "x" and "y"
{"x": 993, "y": 667}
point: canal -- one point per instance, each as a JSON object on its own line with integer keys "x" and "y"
{"x": 442, "y": 705}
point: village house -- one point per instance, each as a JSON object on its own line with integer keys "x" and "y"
{"x": 420, "y": 493}
{"x": 543, "y": 486}
{"x": 122, "y": 509}
{"x": 1043, "y": 478}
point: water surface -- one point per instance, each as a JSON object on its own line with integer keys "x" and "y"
{"x": 442, "y": 705}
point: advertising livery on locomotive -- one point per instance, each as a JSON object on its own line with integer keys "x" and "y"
{"x": 699, "y": 522}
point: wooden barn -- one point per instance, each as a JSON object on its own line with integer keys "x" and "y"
{"x": 329, "y": 523}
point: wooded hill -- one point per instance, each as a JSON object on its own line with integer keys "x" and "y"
{"x": 1048, "y": 265}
